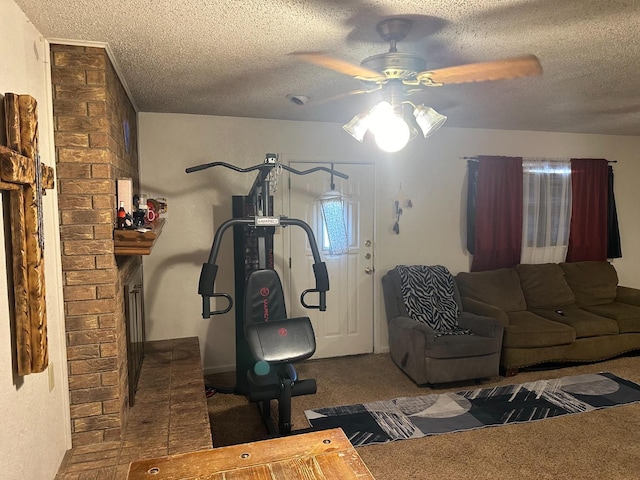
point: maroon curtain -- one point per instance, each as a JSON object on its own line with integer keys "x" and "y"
{"x": 589, "y": 191}
{"x": 498, "y": 241}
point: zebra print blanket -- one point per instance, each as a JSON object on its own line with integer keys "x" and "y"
{"x": 427, "y": 292}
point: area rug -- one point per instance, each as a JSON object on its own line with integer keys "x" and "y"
{"x": 416, "y": 417}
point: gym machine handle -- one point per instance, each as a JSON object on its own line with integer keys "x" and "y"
{"x": 205, "y": 288}
{"x": 210, "y": 269}
{"x": 322, "y": 302}
{"x": 265, "y": 166}
{"x": 322, "y": 286}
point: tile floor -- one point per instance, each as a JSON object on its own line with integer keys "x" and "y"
{"x": 169, "y": 416}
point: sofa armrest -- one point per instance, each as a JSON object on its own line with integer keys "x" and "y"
{"x": 485, "y": 310}
{"x": 480, "y": 325}
{"x": 628, "y": 295}
{"x": 409, "y": 325}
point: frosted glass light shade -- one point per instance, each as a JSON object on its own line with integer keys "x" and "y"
{"x": 358, "y": 126}
{"x": 428, "y": 119}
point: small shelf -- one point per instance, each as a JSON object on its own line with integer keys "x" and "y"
{"x": 133, "y": 242}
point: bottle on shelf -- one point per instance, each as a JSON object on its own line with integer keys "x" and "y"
{"x": 122, "y": 216}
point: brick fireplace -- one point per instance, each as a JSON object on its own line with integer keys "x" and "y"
{"x": 92, "y": 114}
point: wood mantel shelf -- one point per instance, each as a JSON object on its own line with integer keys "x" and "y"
{"x": 133, "y": 242}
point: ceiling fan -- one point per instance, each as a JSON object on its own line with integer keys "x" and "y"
{"x": 399, "y": 75}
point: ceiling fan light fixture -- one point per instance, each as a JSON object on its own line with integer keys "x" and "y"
{"x": 428, "y": 119}
{"x": 357, "y": 127}
{"x": 389, "y": 127}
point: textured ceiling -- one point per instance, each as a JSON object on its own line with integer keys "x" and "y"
{"x": 218, "y": 57}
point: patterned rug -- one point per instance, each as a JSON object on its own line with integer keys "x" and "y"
{"x": 416, "y": 417}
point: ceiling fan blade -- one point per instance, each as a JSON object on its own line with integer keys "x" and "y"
{"x": 340, "y": 66}
{"x": 340, "y": 96}
{"x": 525, "y": 66}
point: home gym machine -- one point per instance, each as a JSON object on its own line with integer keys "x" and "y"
{"x": 267, "y": 341}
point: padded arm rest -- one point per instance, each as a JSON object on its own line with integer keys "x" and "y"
{"x": 628, "y": 295}
{"x": 485, "y": 310}
{"x": 480, "y": 325}
{"x": 409, "y": 325}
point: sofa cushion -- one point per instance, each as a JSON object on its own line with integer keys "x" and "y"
{"x": 627, "y": 316}
{"x": 592, "y": 283}
{"x": 528, "y": 330}
{"x": 500, "y": 288}
{"x": 585, "y": 323}
{"x": 544, "y": 286}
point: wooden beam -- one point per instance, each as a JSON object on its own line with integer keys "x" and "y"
{"x": 8, "y": 186}
{"x": 34, "y": 254}
{"x": 35, "y": 272}
{"x": 12, "y": 121}
{"x": 16, "y": 168}
{"x": 20, "y": 282}
{"x": 48, "y": 177}
{"x": 28, "y": 126}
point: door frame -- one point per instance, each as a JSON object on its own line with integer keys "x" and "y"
{"x": 281, "y": 255}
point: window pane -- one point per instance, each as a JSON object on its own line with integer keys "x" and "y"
{"x": 334, "y": 229}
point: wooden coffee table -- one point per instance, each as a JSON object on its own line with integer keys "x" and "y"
{"x": 326, "y": 454}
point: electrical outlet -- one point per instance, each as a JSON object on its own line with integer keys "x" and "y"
{"x": 52, "y": 380}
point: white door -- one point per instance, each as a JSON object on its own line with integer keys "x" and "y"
{"x": 346, "y": 327}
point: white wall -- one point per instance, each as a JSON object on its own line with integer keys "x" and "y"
{"x": 431, "y": 171}
{"x": 34, "y": 422}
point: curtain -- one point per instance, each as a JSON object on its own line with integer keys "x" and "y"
{"x": 498, "y": 232}
{"x": 546, "y": 192}
{"x": 589, "y": 186}
{"x": 614, "y": 250}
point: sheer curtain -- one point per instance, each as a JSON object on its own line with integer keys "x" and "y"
{"x": 546, "y": 209}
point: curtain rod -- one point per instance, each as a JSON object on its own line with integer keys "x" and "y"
{"x": 475, "y": 159}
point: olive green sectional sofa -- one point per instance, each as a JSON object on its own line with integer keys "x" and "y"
{"x": 567, "y": 312}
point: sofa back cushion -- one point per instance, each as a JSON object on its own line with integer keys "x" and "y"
{"x": 544, "y": 286}
{"x": 500, "y": 288}
{"x": 592, "y": 283}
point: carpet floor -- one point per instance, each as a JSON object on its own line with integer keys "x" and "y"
{"x": 603, "y": 444}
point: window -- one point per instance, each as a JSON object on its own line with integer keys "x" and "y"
{"x": 334, "y": 229}
{"x": 538, "y": 210}
{"x": 546, "y": 212}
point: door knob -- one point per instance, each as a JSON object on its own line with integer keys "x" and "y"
{"x": 367, "y": 243}
{"x": 368, "y": 270}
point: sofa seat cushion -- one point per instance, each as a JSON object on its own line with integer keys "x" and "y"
{"x": 544, "y": 286}
{"x": 500, "y": 288}
{"x": 528, "y": 330}
{"x": 585, "y": 323}
{"x": 592, "y": 283}
{"x": 460, "y": 346}
{"x": 627, "y": 316}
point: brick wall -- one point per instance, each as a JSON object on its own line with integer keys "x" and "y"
{"x": 90, "y": 108}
